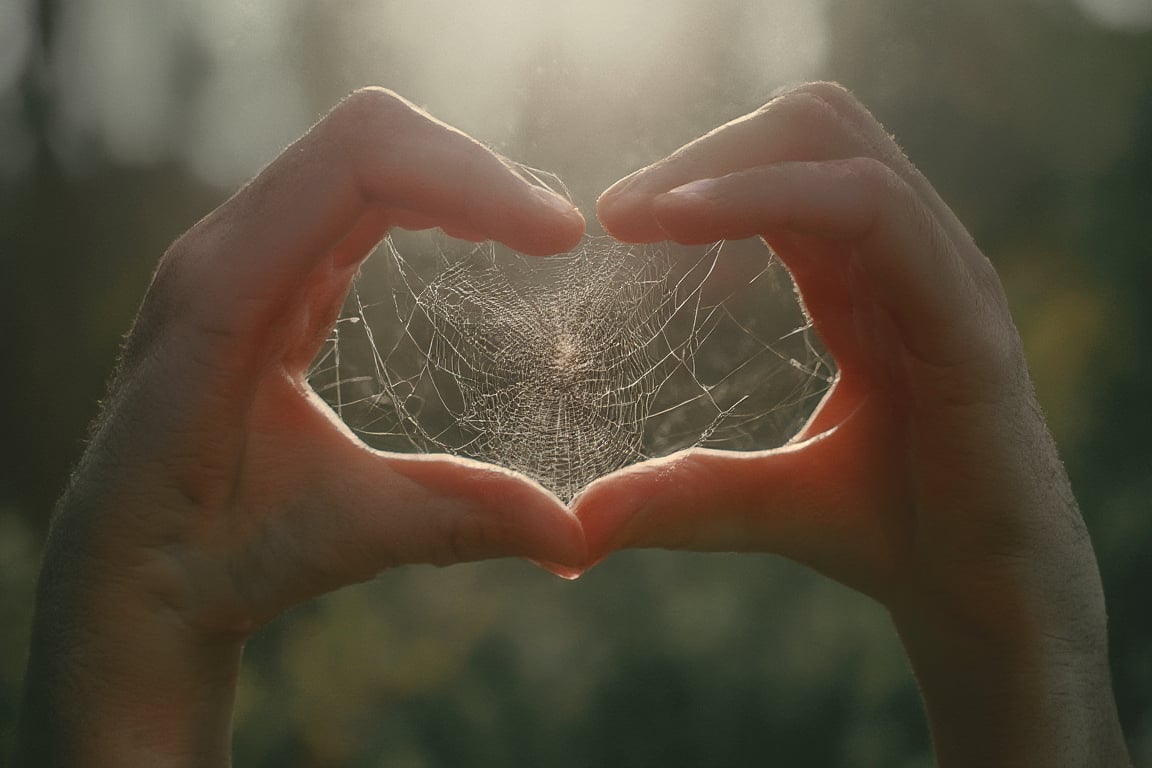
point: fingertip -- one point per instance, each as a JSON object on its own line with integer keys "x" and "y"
{"x": 607, "y": 508}
{"x": 555, "y": 205}
{"x": 495, "y": 512}
{"x": 566, "y": 223}
{"x": 623, "y": 183}
{"x": 688, "y": 214}
{"x": 563, "y": 216}
{"x": 566, "y": 572}
{"x": 628, "y": 217}
{"x": 533, "y": 523}
{"x": 549, "y": 224}
{"x": 569, "y": 553}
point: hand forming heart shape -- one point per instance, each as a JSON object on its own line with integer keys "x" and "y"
{"x": 218, "y": 490}
{"x": 870, "y": 491}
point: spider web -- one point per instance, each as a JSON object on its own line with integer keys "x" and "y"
{"x": 568, "y": 367}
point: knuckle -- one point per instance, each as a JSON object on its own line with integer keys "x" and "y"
{"x": 371, "y": 109}
{"x": 799, "y": 104}
{"x": 806, "y": 114}
{"x": 465, "y": 538}
{"x": 827, "y": 91}
{"x": 908, "y": 208}
{"x": 180, "y": 274}
{"x": 821, "y": 115}
{"x": 831, "y": 93}
{"x": 855, "y": 119}
{"x": 371, "y": 101}
{"x": 175, "y": 301}
{"x": 166, "y": 299}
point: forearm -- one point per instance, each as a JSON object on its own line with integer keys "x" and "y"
{"x": 1015, "y": 705}
{"x": 96, "y": 701}
{"x": 117, "y": 679}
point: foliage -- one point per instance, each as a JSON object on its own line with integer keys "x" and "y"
{"x": 1034, "y": 124}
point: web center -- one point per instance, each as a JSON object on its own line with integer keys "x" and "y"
{"x": 564, "y": 354}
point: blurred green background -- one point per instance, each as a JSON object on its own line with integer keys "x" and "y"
{"x": 122, "y": 122}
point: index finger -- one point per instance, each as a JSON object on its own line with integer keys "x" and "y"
{"x": 813, "y": 122}
{"x": 373, "y": 162}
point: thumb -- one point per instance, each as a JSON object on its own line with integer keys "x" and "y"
{"x": 484, "y": 511}
{"x": 446, "y": 509}
{"x": 354, "y": 511}
{"x": 804, "y": 501}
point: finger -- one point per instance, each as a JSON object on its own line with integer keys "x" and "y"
{"x": 373, "y": 156}
{"x": 841, "y": 400}
{"x": 884, "y": 148}
{"x": 385, "y": 510}
{"x": 490, "y": 512}
{"x": 814, "y": 121}
{"x": 937, "y": 299}
{"x": 802, "y": 501}
{"x": 798, "y": 125}
{"x": 445, "y": 510}
{"x": 417, "y": 221}
{"x": 829, "y": 295}
{"x": 349, "y": 512}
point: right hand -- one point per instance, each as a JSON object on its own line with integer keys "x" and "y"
{"x": 927, "y": 477}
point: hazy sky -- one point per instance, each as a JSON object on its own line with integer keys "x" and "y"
{"x": 119, "y": 68}
{"x": 218, "y": 84}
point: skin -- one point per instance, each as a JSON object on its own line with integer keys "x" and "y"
{"x": 217, "y": 490}
{"x": 926, "y": 478}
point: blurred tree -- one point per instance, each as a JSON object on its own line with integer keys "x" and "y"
{"x": 1034, "y": 124}
{"x": 1112, "y": 466}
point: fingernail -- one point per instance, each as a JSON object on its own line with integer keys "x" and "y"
{"x": 566, "y": 572}
{"x": 699, "y": 188}
{"x": 619, "y": 186}
{"x": 553, "y": 200}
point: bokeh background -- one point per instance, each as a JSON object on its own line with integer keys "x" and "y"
{"x": 123, "y": 121}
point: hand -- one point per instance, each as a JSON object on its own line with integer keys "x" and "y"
{"x": 926, "y": 478}
{"x": 218, "y": 490}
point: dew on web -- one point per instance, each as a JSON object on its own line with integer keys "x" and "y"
{"x": 568, "y": 367}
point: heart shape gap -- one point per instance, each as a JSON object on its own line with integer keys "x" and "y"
{"x": 568, "y": 367}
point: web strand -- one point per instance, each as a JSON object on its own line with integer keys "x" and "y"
{"x": 569, "y": 367}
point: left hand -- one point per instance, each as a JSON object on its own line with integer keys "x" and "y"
{"x": 218, "y": 490}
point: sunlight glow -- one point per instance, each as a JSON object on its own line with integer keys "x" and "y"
{"x": 1131, "y": 15}
{"x": 473, "y": 61}
{"x": 224, "y": 85}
